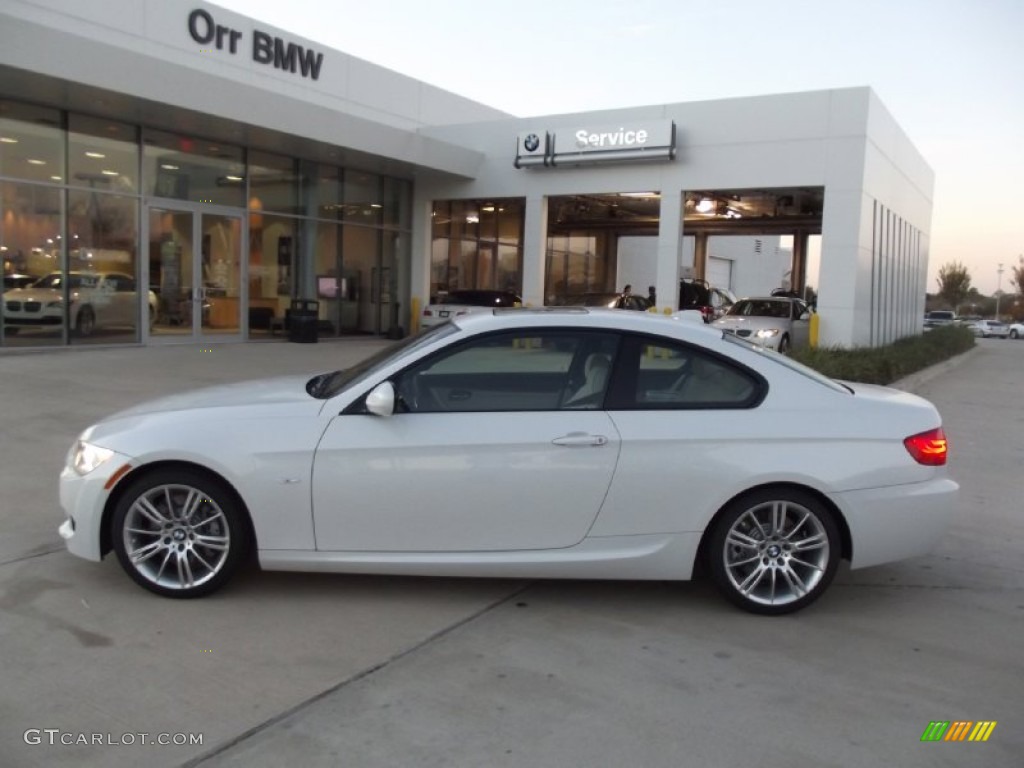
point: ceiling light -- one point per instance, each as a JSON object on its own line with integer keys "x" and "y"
{"x": 706, "y": 205}
{"x": 233, "y": 178}
{"x": 640, "y": 194}
{"x": 55, "y": 178}
{"x": 169, "y": 167}
{"x": 33, "y": 161}
{"x": 472, "y": 219}
{"x": 7, "y": 140}
{"x": 98, "y": 155}
{"x": 376, "y": 205}
{"x": 110, "y": 173}
{"x": 488, "y": 209}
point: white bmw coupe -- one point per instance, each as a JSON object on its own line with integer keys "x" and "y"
{"x": 548, "y": 443}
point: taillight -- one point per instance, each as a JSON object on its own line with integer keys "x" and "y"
{"x": 928, "y": 448}
{"x": 427, "y": 313}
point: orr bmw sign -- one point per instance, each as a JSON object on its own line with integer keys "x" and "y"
{"x": 599, "y": 144}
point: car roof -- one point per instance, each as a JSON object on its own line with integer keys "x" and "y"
{"x": 587, "y": 317}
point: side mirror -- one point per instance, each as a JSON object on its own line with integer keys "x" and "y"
{"x": 381, "y": 400}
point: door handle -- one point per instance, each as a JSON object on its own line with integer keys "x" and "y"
{"x": 574, "y": 439}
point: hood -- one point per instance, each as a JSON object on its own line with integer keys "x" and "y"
{"x": 753, "y": 322}
{"x": 281, "y": 390}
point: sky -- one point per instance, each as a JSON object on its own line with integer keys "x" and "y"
{"x": 951, "y": 72}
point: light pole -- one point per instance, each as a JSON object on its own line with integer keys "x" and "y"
{"x": 999, "y": 288}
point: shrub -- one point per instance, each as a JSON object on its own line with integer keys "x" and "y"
{"x": 883, "y": 365}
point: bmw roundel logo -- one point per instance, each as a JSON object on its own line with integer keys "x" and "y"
{"x": 531, "y": 142}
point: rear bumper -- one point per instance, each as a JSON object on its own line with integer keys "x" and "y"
{"x": 898, "y": 522}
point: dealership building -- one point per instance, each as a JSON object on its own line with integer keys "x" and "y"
{"x": 175, "y": 172}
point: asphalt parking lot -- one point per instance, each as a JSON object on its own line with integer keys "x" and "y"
{"x": 334, "y": 670}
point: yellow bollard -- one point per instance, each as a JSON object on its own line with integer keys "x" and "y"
{"x": 813, "y": 329}
{"x": 667, "y": 310}
{"x": 414, "y": 310}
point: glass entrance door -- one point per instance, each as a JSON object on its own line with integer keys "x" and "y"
{"x": 195, "y": 262}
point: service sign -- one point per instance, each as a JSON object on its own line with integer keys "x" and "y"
{"x": 586, "y": 144}
{"x": 656, "y": 137}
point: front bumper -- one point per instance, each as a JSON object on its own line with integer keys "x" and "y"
{"x": 83, "y": 499}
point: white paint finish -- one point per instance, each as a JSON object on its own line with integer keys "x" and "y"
{"x": 449, "y": 492}
{"x": 656, "y": 557}
{"x": 412, "y": 482}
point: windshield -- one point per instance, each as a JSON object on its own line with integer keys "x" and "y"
{"x": 788, "y": 362}
{"x": 326, "y": 385}
{"x": 760, "y": 308}
{"x": 55, "y": 281}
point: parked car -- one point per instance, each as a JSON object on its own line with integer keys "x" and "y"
{"x": 777, "y": 322}
{"x": 710, "y": 301}
{"x": 990, "y": 328}
{"x": 1016, "y": 330}
{"x": 607, "y": 300}
{"x": 465, "y": 302}
{"x": 546, "y": 443}
{"x": 97, "y": 299}
{"x": 938, "y": 318}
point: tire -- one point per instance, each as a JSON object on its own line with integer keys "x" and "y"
{"x": 755, "y": 540}
{"x": 784, "y": 344}
{"x": 1013, "y": 334}
{"x": 85, "y": 323}
{"x": 179, "y": 532}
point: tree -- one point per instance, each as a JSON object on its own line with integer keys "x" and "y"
{"x": 1018, "y": 276}
{"x": 954, "y": 283}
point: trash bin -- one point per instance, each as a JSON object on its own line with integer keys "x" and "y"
{"x": 304, "y": 321}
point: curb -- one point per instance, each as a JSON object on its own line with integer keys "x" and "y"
{"x": 913, "y": 381}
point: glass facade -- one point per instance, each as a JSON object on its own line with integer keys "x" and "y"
{"x": 477, "y": 244}
{"x": 113, "y": 233}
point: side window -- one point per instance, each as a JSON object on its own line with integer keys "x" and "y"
{"x": 671, "y": 376}
{"x": 541, "y": 370}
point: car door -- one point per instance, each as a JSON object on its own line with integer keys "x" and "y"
{"x": 687, "y": 420}
{"x": 800, "y": 324}
{"x": 499, "y": 443}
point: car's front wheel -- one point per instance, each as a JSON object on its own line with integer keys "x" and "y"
{"x": 179, "y": 532}
{"x": 774, "y": 551}
{"x": 85, "y": 323}
{"x": 1013, "y": 334}
{"x": 784, "y": 344}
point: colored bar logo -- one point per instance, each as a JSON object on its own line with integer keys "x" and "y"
{"x": 959, "y": 730}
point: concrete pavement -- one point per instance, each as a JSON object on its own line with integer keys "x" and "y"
{"x": 370, "y": 671}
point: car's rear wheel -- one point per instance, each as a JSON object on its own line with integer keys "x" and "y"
{"x": 1013, "y": 334}
{"x": 179, "y": 532}
{"x": 774, "y": 551}
{"x": 85, "y": 323}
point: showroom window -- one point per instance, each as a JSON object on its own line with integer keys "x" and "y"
{"x": 477, "y": 244}
{"x": 537, "y": 370}
{"x": 31, "y": 143}
{"x": 103, "y": 155}
{"x": 102, "y": 241}
{"x": 193, "y": 169}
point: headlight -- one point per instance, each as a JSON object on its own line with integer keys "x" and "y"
{"x": 767, "y": 333}
{"x": 85, "y": 457}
